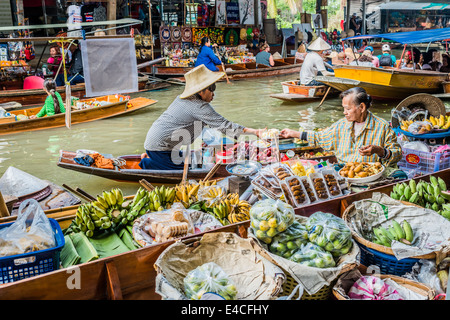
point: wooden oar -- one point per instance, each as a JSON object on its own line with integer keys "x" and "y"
{"x": 324, "y": 96}
{"x": 212, "y": 172}
{"x": 186, "y": 166}
{"x": 226, "y": 76}
{"x": 147, "y": 185}
{"x": 87, "y": 195}
{"x": 82, "y": 196}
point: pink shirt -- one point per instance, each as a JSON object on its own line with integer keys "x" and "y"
{"x": 55, "y": 62}
{"x": 376, "y": 62}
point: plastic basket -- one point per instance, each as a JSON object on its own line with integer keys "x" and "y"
{"x": 21, "y": 266}
{"x": 388, "y": 264}
{"x": 426, "y": 162}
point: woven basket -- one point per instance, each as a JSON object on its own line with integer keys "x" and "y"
{"x": 377, "y": 247}
{"x": 415, "y": 286}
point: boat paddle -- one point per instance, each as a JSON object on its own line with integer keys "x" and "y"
{"x": 324, "y": 96}
{"x": 226, "y": 76}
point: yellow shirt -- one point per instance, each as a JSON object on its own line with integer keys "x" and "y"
{"x": 340, "y": 138}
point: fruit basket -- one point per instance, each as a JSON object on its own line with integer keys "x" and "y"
{"x": 379, "y": 255}
{"x": 341, "y": 288}
{"x": 234, "y": 254}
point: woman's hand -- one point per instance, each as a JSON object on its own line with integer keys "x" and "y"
{"x": 370, "y": 150}
{"x": 256, "y": 132}
{"x": 33, "y": 116}
{"x": 289, "y": 133}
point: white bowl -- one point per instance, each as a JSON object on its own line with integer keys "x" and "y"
{"x": 365, "y": 179}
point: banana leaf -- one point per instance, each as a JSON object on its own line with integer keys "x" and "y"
{"x": 69, "y": 255}
{"x": 83, "y": 247}
{"x": 108, "y": 245}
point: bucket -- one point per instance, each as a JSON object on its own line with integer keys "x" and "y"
{"x": 224, "y": 157}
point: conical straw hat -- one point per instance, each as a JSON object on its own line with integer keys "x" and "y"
{"x": 199, "y": 79}
{"x": 318, "y": 45}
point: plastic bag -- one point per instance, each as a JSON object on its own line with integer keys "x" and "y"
{"x": 420, "y": 127}
{"x": 425, "y": 271}
{"x": 372, "y": 288}
{"x": 287, "y": 242}
{"x": 208, "y": 277}
{"x": 31, "y": 231}
{"x": 211, "y": 195}
{"x": 329, "y": 232}
{"x": 269, "y": 217}
{"x": 312, "y": 255}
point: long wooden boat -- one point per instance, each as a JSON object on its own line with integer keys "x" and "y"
{"x": 117, "y": 106}
{"x": 110, "y": 278}
{"x": 293, "y": 92}
{"x": 385, "y": 83}
{"x": 34, "y": 97}
{"x": 239, "y": 71}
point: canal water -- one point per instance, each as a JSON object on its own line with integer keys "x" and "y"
{"x": 246, "y": 102}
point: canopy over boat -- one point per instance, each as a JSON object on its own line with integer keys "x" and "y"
{"x": 410, "y": 37}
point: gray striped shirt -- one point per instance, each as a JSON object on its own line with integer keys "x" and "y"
{"x": 183, "y": 122}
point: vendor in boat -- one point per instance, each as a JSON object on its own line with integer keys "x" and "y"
{"x": 206, "y": 55}
{"x": 184, "y": 120}
{"x": 53, "y": 103}
{"x": 264, "y": 56}
{"x": 314, "y": 63}
{"x": 54, "y": 61}
{"x": 76, "y": 65}
{"x": 359, "y": 137}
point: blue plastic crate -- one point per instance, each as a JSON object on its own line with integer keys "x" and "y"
{"x": 21, "y": 266}
{"x": 387, "y": 263}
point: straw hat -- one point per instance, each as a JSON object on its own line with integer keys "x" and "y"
{"x": 351, "y": 33}
{"x": 426, "y": 101}
{"x": 199, "y": 79}
{"x": 318, "y": 45}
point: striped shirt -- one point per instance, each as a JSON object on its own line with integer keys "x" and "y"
{"x": 183, "y": 122}
{"x": 340, "y": 138}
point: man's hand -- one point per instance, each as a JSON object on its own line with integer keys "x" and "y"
{"x": 370, "y": 150}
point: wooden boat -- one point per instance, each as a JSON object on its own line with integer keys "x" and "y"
{"x": 117, "y": 106}
{"x": 32, "y": 97}
{"x": 385, "y": 83}
{"x": 293, "y": 92}
{"x": 110, "y": 278}
{"x": 238, "y": 71}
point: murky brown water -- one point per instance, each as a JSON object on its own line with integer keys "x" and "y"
{"x": 245, "y": 102}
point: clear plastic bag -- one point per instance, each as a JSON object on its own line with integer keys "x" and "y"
{"x": 31, "y": 231}
{"x": 312, "y": 255}
{"x": 420, "y": 127}
{"x": 372, "y": 288}
{"x": 287, "y": 242}
{"x": 208, "y": 277}
{"x": 425, "y": 271}
{"x": 270, "y": 217}
{"x": 329, "y": 232}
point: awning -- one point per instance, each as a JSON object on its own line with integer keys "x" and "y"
{"x": 412, "y": 5}
{"x": 410, "y": 37}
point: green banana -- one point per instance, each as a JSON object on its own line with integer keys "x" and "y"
{"x": 385, "y": 233}
{"x": 442, "y": 184}
{"x": 430, "y": 189}
{"x": 393, "y": 234}
{"x": 413, "y": 186}
{"x": 408, "y": 231}
{"x": 434, "y": 181}
{"x": 401, "y": 188}
{"x": 398, "y": 229}
{"x": 435, "y": 206}
{"x": 445, "y": 195}
{"x": 414, "y": 198}
{"x": 394, "y": 195}
{"x": 446, "y": 214}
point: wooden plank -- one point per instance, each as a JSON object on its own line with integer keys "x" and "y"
{"x": 113, "y": 282}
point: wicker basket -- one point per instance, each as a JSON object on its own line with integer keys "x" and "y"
{"x": 415, "y": 286}
{"x": 383, "y": 257}
{"x": 274, "y": 278}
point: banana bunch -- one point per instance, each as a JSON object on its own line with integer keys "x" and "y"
{"x": 221, "y": 210}
{"x": 241, "y": 209}
{"x": 186, "y": 194}
{"x": 404, "y": 124}
{"x": 144, "y": 201}
{"x": 441, "y": 122}
{"x": 431, "y": 195}
{"x": 212, "y": 195}
{"x": 402, "y": 233}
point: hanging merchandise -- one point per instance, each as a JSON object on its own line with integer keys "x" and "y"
{"x": 198, "y": 34}
{"x": 231, "y": 37}
{"x": 217, "y": 35}
{"x": 74, "y": 20}
{"x": 232, "y": 13}
{"x": 164, "y": 34}
{"x": 175, "y": 34}
{"x": 186, "y": 34}
{"x": 202, "y": 15}
{"x": 99, "y": 14}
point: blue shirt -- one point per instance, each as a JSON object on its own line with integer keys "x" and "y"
{"x": 208, "y": 58}
{"x": 263, "y": 57}
{"x": 393, "y": 58}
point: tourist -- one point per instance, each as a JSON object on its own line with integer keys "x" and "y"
{"x": 445, "y": 64}
{"x": 206, "y": 55}
{"x": 53, "y": 103}
{"x": 369, "y": 52}
{"x": 408, "y": 62}
{"x": 184, "y": 120}
{"x": 365, "y": 60}
{"x": 314, "y": 63}
{"x": 359, "y": 137}
{"x": 386, "y": 58}
{"x": 76, "y": 74}
{"x": 54, "y": 61}
{"x": 264, "y": 56}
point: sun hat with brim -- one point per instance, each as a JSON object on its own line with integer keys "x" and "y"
{"x": 318, "y": 45}
{"x": 351, "y": 33}
{"x": 432, "y": 104}
{"x": 199, "y": 79}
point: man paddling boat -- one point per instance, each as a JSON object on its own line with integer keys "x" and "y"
{"x": 359, "y": 137}
{"x": 183, "y": 122}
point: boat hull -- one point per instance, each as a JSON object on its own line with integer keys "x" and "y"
{"x": 292, "y": 92}
{"x": 77, "y": 116}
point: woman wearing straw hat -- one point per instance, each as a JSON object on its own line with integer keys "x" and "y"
{"x": 184, "y": 120}
{"x": 314, "y": 63}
